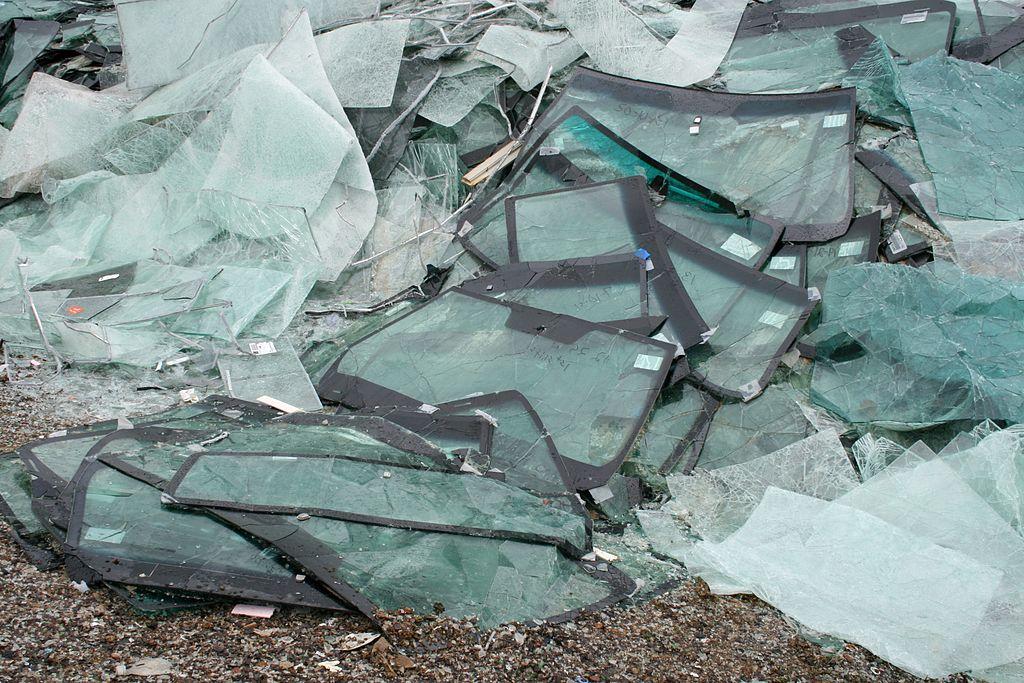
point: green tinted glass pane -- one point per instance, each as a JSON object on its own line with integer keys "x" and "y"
{"x": 747, "y": 149}
{"x": 495, "y": 580}
{"x": 959, "y": 360}
{"x": 672, "y": 431}
{"x": 427, "y": 353}
{"x": 969, "y": 163}
{"x": 597, "y": 290}
{"x": 63, "y": 456}
{"x": 789, "y": 264}
{"x": 753, "y": 314}
{"x": 858, "y": 245}
{"x": 366, "y": 491}
{"x": 124, "y": 521}
{"x": 743, "y": 431}
{"x": 16, "y": 492}
{"x": 520, "y": 447}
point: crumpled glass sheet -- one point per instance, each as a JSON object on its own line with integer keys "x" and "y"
{"x": 716, "y": 503}
{"x": 673, "y": 436}
{"x": 740, "y": 432}
{"x": 59, "y": 132}
{"x": 167, "y": 39}
{"x": 616, "y": 374}
{"x": 382, "y": 493}
{"x": 986, "y": 248}
{"x": 873, "y": 454}
{"x": 362, "y": 60}
{"x": 462, "y": 87}
{"x": 914, "y": 566}
{"x": 918, "y": 346}
{"x": 278, "y": 374}
{"x": 877, "y": 81}
{"x": 527, "y": 54}
{"x": 620, "y": 42}
{"x": 768, "y": 154}
{"x": 969, "y": 147}
{"x": 755, "y": 317}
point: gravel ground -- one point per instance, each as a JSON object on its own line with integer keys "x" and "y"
{"x": 50, "y": 631}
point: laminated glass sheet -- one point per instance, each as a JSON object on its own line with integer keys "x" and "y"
{"x": 743, "y": 431}
{"x": 495, "y": 580}
{"x": 508, "y": 346}
{"x": 675, "y": 432}
{"x": 784, "y": 156}
{"x": 716, "y": 503}
{"x": 789, "y": 264}
{"x": 974, "y": 166}
{"x": 619, "y": 40}
{"x": 375, "y": 493}
{"x": 121, "y": 531}
{"x": 271, "y": 369}
{"x": 755, "y": 317}
{"x": 165, "y": 40}
{"x": 960, "y": 360}
{"x": 528, "y": 54}
{"x": 463, "y": 85}
{"x": 858, "y": 245}
{"x": 362, "y": 60}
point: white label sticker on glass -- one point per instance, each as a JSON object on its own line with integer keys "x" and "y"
{"x": 96, "y": 533}
{"x": 112, "y": 276}
{"x": 834, "y": 121}
{"x": 851, "y": 248}
{"x": 740, "y": 246}
{"x": 915, "y": 17}
{"x": 897, "y": 243}
{"x": 262, "y": 348}
{"x": 782, "y": 263}
{"x": 792, "y": 123}
{"x": 645, "y": 362}
{"x": 694, "y": 130}
{"x": 776, "y": 320}
{"x": 548, "y": 151}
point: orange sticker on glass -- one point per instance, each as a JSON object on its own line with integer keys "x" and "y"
{"x": 75, "y": 310}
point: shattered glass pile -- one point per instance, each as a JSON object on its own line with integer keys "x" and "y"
{"x": 513, "y": 310}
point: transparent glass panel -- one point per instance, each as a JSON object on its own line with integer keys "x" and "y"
{"x": 789, "y": 264}
{"x": 858, "y": 245}
{"x": 362, "y": 61}
{"x": 16, "y": 494}
{"x": 277, "y": 373}
{"x": 674, "y": 434}
{"x": 783, "y": 156}
{"x": 755, "y": 318}
{"x": 538, "y": 353}
{"x": 376, "y": 493}
{"x": 529, "y": 53}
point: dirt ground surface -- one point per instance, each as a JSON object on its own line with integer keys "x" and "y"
{"x": 49, "y": 631}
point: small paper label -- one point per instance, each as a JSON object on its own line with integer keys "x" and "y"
{"x": 740, "y": 246}
{"x": 548, "y": 151}
{"x": 897, "y": 243}
{"x": 694, "y": 130}
{"x": 793, "y": 123}
{"x": 776, "y": 320}
{"x": 75, "y": 310}
{"x": 782, "y": 263}
{"x": 648, "y": 264}
{"x": 645, "y": 362}
{"x": 262, "y": 348}
{"x": 851, "y": 248}
{"x": 428, "y": 409}
{"x": 834, "y": 121}
{"x": 112, "y": 276}
{"x": 96, "y": 533}
{"x": 915, "y": 17}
